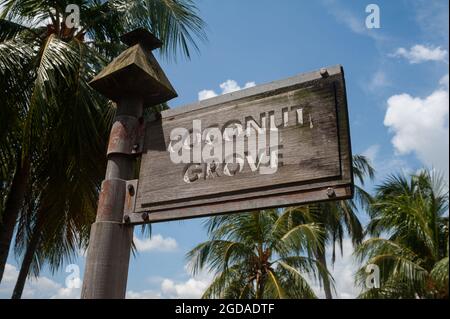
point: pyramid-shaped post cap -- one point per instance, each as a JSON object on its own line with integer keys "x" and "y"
{"x": 135, "y": 73}
{"x": 141, "y": 36}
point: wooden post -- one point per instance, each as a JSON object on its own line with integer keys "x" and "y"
{"x": 133, "y": 80}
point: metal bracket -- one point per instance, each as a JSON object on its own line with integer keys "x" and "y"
{"x": 130, "y": 199}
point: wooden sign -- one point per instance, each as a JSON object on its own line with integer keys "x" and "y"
{"x": 278, "y": 144}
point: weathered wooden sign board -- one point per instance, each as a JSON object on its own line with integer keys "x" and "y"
{"x": 302, "y": 121}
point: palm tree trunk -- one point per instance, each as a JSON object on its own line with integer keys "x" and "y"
{"x": 321, "y": 257}
{"x": 27, "y": 260}
{"x": 260, "y": 285}
{"x": 12, "y": 208}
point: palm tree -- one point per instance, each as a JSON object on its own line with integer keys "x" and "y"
{"x": 409, "y": 225}
{"x": 258, "y": 255}
{"x": 52, "y": 149}
{"x": 338, "y": 217}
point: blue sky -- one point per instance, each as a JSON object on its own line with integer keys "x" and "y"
{"x": 397, "y": 86}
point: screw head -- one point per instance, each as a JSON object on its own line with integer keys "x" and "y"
{"x": 130, "y": 189}
{"x": 324, "y": 72}
{"x": 330, "y": 192}
{"x": 135, "y": 147}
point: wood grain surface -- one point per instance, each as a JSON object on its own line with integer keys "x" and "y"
{"x": 314, "y": 152}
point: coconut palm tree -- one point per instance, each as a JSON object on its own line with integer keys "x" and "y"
{"x": 259, "y": 255}
{"x": 409, "y": 225}
{"x": 53, "y": 145}
{"x": 339, "y": 217}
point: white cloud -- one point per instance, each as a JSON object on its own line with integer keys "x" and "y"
{"x": 226, "y": 87}
{"x": 155, "y": 243}
{"x": 420, "y": 125}
{"x": 145, "y": 294}
{"x": 46, "y": 288}
{"x": 67, "y": 293}
{"x": 10, "y": 274}
{"x": 190, "y": 289}
{"x": 231, "y": 86}
{"x": 206, "y": 94}
{"x": 36, "y": 288}
{"x": 343, "y": 272}
{"x": 444, "y": 81}
{"x": 372, "y": 152}
{"x": 420, "y": 53}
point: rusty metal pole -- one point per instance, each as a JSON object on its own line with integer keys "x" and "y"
{"x": 133, "y": 80}
{"x": 110, "y": 241}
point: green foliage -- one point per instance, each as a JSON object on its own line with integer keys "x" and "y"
{"x": 338, "y": 217}
{"x": 259, "y": 255}
{"x": 409, "y": 225}
{"x": 175, "y": 22}
{"x": 51, "y": 117}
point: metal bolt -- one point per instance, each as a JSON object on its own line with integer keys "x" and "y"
{"x": 144, "y": 216}
{"x": 330, "y": 192}
{"x": 135, "y": 147}
{"x": 324, "y": 72}
{"x": 126, "y": 218}
{"x": 130, "y": 189}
